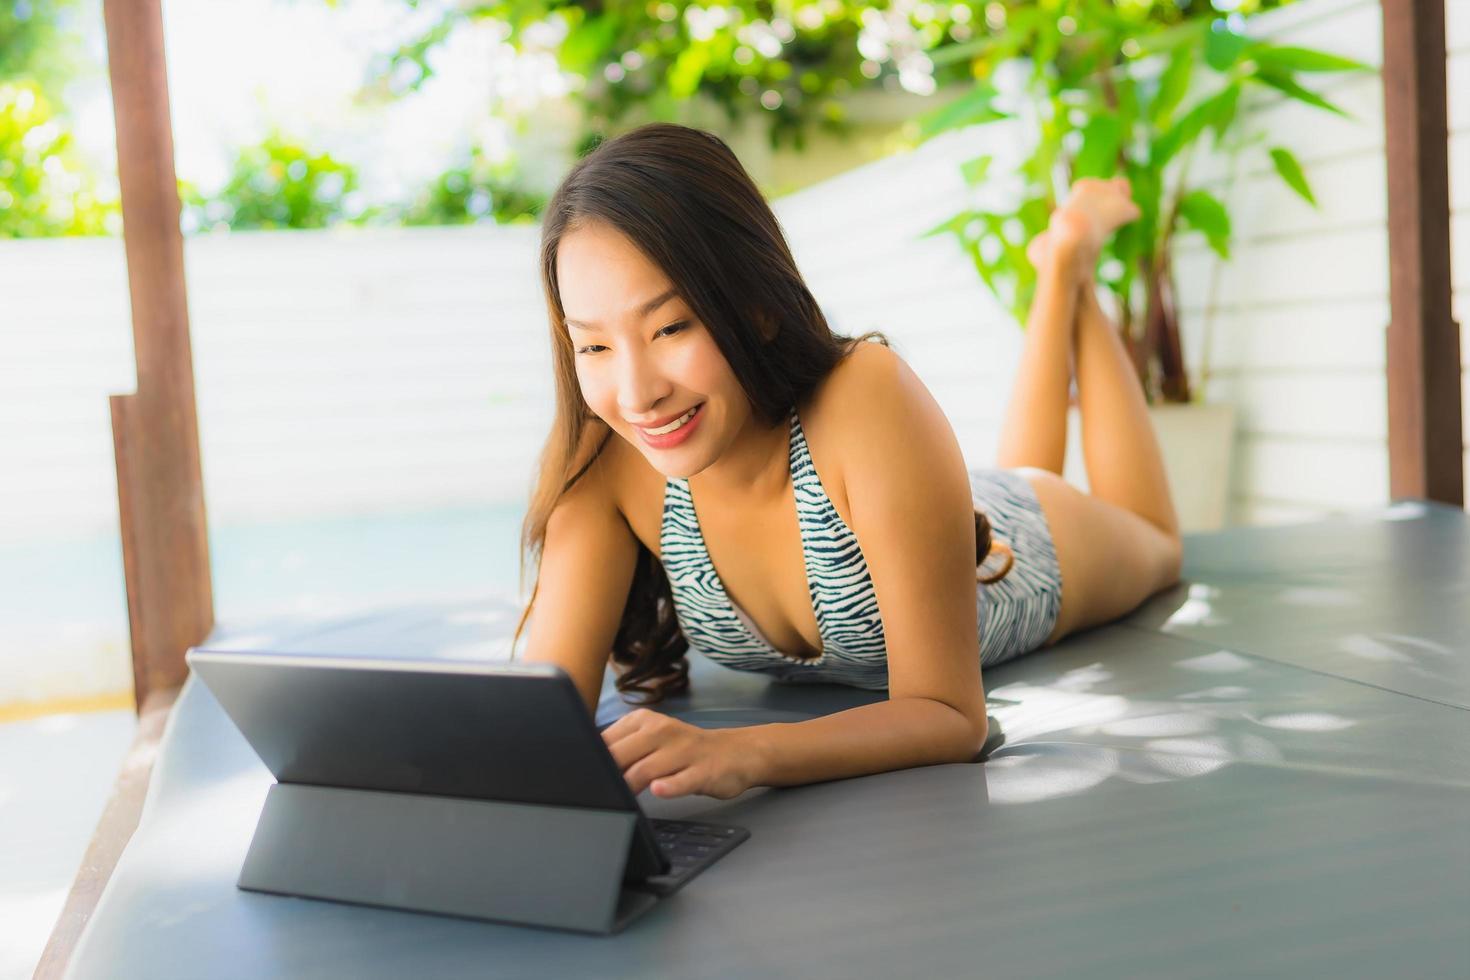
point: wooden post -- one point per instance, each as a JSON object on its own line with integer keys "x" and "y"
{"x": 1425, "y": 441}
{"x": 155, "y": 431}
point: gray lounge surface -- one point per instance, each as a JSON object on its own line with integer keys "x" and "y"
{"x": 1261, "y": 772}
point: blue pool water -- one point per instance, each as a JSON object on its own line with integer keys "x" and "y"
{"x": 57, "y": 597}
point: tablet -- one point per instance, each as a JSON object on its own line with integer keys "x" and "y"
{"x": 498, "y": 731}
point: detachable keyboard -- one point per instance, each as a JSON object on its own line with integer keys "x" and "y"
{"x": 690, "y": 847}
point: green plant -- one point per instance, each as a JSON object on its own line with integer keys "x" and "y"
{"x": 40, "y": 42}
{"x": 475, "y": 190}
{"x": 277, "y": 184}
{"x": 45, "y": 188}
{"x": 787, "y": 63}
{"x": 1115, "y": 94}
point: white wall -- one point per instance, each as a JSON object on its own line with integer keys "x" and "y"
{"x": 336, "y": 373}
{"x": 378, "y": 370}
{"x": 1293, "y": 328}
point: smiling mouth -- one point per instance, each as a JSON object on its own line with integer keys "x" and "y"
{"x": 676, "y": 424}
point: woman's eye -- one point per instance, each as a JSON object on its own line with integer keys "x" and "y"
{"x": 670, "y": 330}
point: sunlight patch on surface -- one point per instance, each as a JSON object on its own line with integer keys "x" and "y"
{"x": 1419, "y": 643}
{"x": 1368, "y": 648}
{"x": 1306, "y": 721}
{"x": 1045, "y": 709}
{"x": 1196, "y": 610}
{"x": 1224, "y": 692}
{"x": 1219, "y": 662}
{"x": 1019, "y": 777}
{"x": 1177, "y": 723}
{"x": 1185, "y": 766}
{"x": 1082, "y": 678}
{"x": 1254, "y": 748}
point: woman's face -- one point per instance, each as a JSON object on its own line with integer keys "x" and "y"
{"x": 643, "y": 359}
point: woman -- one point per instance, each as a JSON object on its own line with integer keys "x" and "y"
{"x": 726, "y": 472}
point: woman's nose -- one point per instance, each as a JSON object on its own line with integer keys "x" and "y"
{"x": 640, "y": 387}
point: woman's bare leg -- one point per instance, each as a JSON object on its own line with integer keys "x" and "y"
{"x": 1120, "y": 543}
{"x": 1034, "y": 431}
{"x": 1124, "y": 465}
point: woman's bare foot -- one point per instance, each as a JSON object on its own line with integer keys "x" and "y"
{"x": 1079, "y": 228}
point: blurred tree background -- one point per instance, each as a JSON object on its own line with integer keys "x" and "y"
{"x": 793, "y": 68}
{"x": 791, "y": 61}
{"x": 46, "y": 187}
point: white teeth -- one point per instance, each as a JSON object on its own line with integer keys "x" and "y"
{"x": 662, "y": 430}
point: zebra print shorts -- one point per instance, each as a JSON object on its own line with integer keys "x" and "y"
{"x": 1017, "y": 613}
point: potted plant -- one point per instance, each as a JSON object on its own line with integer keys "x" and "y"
{"x": 1097, "y": 92}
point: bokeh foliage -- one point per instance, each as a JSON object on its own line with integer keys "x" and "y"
{"x": 278, "y": 183}
{"x": 1110, "y": 90}
{"x": 790, "y": 63}
{"x": 476, "y": 189}
{"x": 46, "y": 187}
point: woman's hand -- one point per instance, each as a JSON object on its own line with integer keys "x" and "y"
{"x": 674, "y": 758}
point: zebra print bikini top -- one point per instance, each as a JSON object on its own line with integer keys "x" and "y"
{"x": 842, "y": 596}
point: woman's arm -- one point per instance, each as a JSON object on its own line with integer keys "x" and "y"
{"x": 913, "y": 514}
{"x": 587, "y": 564}
{"x": 675, "y": 758}
{"x": 912, "y": 511}
{"x": 893, "y": 734}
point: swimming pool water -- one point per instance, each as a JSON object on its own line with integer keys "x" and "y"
{"x": 63, "y": 607}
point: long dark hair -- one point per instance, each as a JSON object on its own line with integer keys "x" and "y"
{"x": 682, "y": 197}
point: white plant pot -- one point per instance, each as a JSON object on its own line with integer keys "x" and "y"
{"x": 1196, "y": 441}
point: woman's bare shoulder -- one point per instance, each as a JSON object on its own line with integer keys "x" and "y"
{"x": 872, "y": 379}
{"x": 636, "y": 488}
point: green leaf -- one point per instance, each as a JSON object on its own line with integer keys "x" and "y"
{"x": 1289, "y": 59}
{"x": 1225, "y": 105}
{"x": 686, "y": 71}
{"x": 1035, "y": 215}
{"x": 1291, "y": 172}
{"x": 1099, "y": 154}
{"x": 974, "y": 171}
{"x": 972, "y": 108}
{"x": 1021, "y": 24}
{"x": 1173, "y": 85}
{"x": 1223, "y": 47}
{"x": 955, "y": 224}
{"x": 1187, "y": 34}
{"x": 1126, "y": 246}
{"x": 1148, "y": 194}
{"x": 1203, "y": 212}
{"x": 585, "y": 45}
{"x": 1283, "y": 82}
{"x": 1127, "y": 107}
{"x": 1188, "y": 127}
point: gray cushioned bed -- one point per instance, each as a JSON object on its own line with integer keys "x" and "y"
{"x": 1263, "y": 772}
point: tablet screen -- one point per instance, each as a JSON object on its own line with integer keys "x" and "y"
{"x": 515, "y": 732}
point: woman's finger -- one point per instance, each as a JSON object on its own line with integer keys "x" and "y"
{"x": 634, "y": 746}
{"x": 681, "y": 783}
{"x": 659, "y": 765}
{"x": 630, "y": 722}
